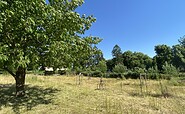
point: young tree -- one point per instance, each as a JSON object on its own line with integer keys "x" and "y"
{"x": 36, "y": 32}
{"x": 120, "y": 68}
{"x": 169, "y": 69}
{"x": 117, "y": 54}
{"x": 102, "y": 67}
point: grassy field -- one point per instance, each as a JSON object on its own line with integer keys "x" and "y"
{"x": 64, "y": 95}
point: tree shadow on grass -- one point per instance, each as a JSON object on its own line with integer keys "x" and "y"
{"x": 35, "y": 95}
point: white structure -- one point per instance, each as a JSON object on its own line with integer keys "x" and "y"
{"x": 49, "y": 69}
{"x": 61, "y": 69}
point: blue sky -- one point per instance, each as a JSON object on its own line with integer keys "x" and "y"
{"x": 136, "y": 25}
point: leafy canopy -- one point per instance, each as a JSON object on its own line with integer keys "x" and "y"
{"x": 35, "y": 32}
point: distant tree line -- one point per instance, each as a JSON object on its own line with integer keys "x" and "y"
{"x": 168, "y": 61}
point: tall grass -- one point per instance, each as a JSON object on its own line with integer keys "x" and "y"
{"x": 61, "y": 95}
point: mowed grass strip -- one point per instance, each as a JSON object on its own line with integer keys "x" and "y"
{"x": 64, "y": 95}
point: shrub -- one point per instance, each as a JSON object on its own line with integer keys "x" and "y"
{"x": 169, "y": 69}
{"x": 139, "y": 70}
{"x": 120, "y": 68}
{"x": 116, "y": 75}
{"x": 153, "y": 73}
{"x": 93, "y": 73}
{"x": 102, "y": 67}
{"x": 96, "y": 74}
{"x": 134, "y": 73}
{"x": 182, "y": 75}
{"x": 86, "y": 73}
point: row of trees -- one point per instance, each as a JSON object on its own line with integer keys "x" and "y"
{"x": 174, "y": 55}
{"x": 166, "y": 56}
{"x": 168, "y": 60}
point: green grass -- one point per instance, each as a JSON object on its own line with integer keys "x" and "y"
{"x": 63, "y": 95}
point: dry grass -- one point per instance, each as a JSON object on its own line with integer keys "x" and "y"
{"x": 62, "y": 95}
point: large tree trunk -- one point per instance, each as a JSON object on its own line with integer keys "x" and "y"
{"x": 20, "y": 81}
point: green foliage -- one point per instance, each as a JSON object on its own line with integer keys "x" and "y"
{"x": 153, "y": 73}
{"x": 33, "y": 32}
{"x": 117, "y": 54}
{"x": 135, "y": 73}
{"x": 179, "y": 57}
{"x": 182, "y": 41}
{"x": 116, "y": 75}
{"x": 94, "y": 59}
{"x": 169, "y": 69}
{"x": 120, "y": 68}
{"x": 127, "y": 58}
{"x": 116, "y": 51}
{"x": 110, "y": 64}
{"x": 139, "y": 70}
{"x": 96, "y": 73}
{"x": 136, "y": 59}
{"x": 164, "y": 54}
{"x": 177, "y": 81}
{"x": 102, "y": 67}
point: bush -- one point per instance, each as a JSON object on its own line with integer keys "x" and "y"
{"x": 132, "y": 75}
{"x": 120, "y": 68}
{"x": 182, "y": 75}
{"x": 153, "y": 73}
{"x": 96, "y": 74}
{"x": 177, "y": 81}
{"x": 93, "y": 73}
{"x": 169, "y": 69}
{"x": 86, "y": 73}
{"x": 102, "y": 67}
{"x": 135, "y": 73}
{"x": 116, "y": 75}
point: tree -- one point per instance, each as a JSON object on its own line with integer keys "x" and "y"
{"x": 117, "y": 54}
{"x": 182, "y": 41}
{"x": 179, "y": 54}
{"x": 127, "y": 59}
{"x": 94, "y": 59}
{"x": 110, "y": 64}
{"x": 102, "y": 67}
{"x": 136, "y": 59}
{"x": 34, "y": 32}
{"x": 164, "y": 54}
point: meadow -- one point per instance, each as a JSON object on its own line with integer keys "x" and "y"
{"x": 68, "y": 95}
